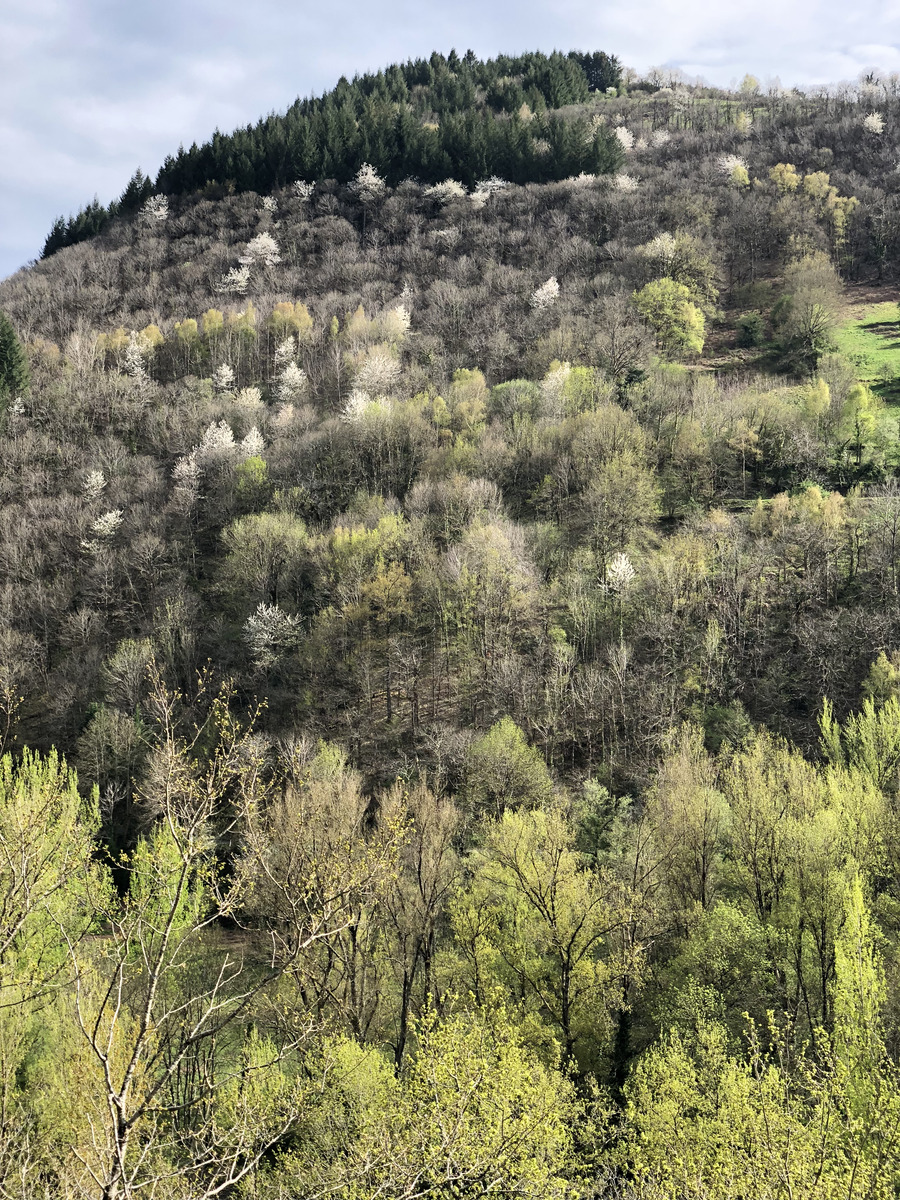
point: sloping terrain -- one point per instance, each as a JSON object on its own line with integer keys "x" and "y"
{"x": 473, "y": 596}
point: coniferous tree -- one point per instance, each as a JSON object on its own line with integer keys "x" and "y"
{"x": 139, "y": 189}
{"x": 14, "y": 374}
{"x": 601, "y": 70}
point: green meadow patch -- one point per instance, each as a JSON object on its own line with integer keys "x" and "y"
{"x": 872, "y": 343}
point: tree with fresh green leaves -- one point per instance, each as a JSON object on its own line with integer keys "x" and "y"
{"x": 859, "y": 420}
{"x": 320, "y": 865}
{"x": 503, "y": 771}
{"x": 48, "y": 884}
{"x": 810, "y": 309}
{"x": 266, "y": 553}
{"x": 543, "y": 926}
{"x": 708, "y": 1121}
{"x": 677, "y": 322}
{"x": 472, "y": 1114}
{"x": 690, "y": 820}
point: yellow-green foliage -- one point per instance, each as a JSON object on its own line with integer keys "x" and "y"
{"x": 678, "y": 323}
{"x": 472, "y": 1112}
{"x": 252, "y": 480}
{"x": 534, "y": 924}
{"x": 150, "y": 338}
{"x": 289, "y": 317}
{"x": 707, "y": 1122}
{"x": 242, "y": 322}
{"x": 785, "y": 177}
{"x": 264, "y": 552}
{"x": 869, "y": 741}
{"x": 186, "y": 331}
{"x": 212, "y": 323}
{"x": 46, "y": 870}
{"x": 836, "y": 208}
{"x": 113, "y": 345}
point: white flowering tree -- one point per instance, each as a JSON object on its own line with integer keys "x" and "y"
{"x": 269, "y": 632}
{"x": 395, "y": 323}
{"x": 252, "y": 446}
{"x": 103, "y": 530}
{"x": 284, "y": 352}
{"x": 624, "y": 182}
{"x": 108, "y": 524}
{"x": 357, "y": 403}
{"x": 624, "y": 137}
{"x": 734, "y": 167}
{"x": 446, "y": 191}
{"x": 93, "y": 486}
{"x": 133, "y": 359}
{"x": 660, "y": 249}
{"x": 303, "y": 190}
{"x": 261, "y": 249}
{"x": 545, "y": 296}
{"x": 379, "y": 372}
{"x": 218, "y": 448}
{"x": 291, "y": 384}
{"x": 155, "y": 209}
{"x": 874, "y": 123}
{"x": 223, "y": 378}
{"x": 368, "y": 184}
{"x": 186, "y": 475}
{"x": 620, "y": 573}
{"x": 486, "y": 188}
{"x": 235, "y": 281}
{"x": 217, "y": 445}
{"x": 492, "y": 185}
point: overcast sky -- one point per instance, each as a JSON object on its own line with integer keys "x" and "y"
{"x": 93, "y": 89}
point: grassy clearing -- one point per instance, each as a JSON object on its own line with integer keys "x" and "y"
{"x": 871, "y": 341}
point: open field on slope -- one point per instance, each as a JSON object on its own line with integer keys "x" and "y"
{"x": 871, "y": 341}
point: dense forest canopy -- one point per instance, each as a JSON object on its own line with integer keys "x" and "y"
{"x": 450, "y": 652}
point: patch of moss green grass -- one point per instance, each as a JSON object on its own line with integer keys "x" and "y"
{"x": 871, "y": 341}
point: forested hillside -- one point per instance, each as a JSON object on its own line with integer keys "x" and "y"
{"x": 458, "y": 117}
{"x": 450, "y": 652}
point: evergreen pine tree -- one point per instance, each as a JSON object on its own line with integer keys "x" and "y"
{"x": 56, "y": 238}
{"x": 14, "y": 375}
{"x": 138, "y": 190}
